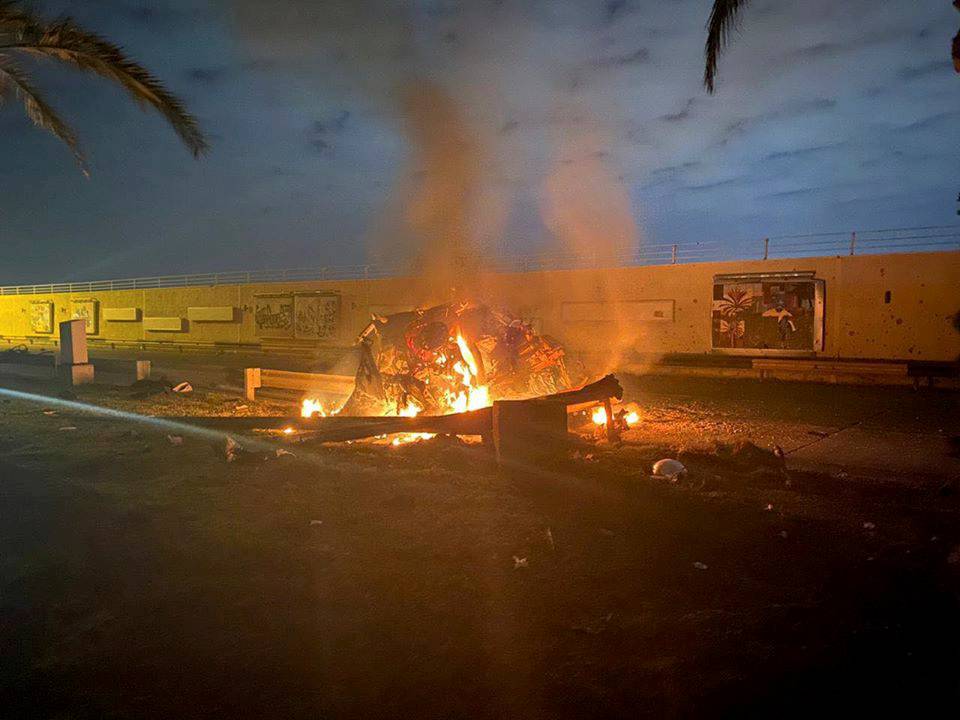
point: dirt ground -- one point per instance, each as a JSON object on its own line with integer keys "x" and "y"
{"x": 143, "y": 578}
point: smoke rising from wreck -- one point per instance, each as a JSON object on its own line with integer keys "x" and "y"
{"x": 506, "y": 147}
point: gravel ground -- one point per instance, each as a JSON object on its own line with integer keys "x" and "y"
{"x": 145, "y": 577}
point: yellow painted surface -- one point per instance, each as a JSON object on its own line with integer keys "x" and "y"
{"x": 118, "y": 314}
{"x": 223, "y": 313}
{"x": 650, "y": 310}
{"x": 163, "y": 324}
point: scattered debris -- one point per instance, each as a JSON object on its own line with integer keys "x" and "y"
{"x": 235, "y": 452}
{"x": 241, "y": 407}
{"x": 549, "y": 535}
{"x": 783, "y": 534}
{"x": 769, "y": 507}
{"x": 869, "y": 526}
{"x": 281, "y": 452}
{"x": 316, "y": 522}
{"x": 669, "y": 468}
{"x": 175, "y": 439}
{"x": 700, "y": 566}
{"x": 519, "y": 562}
{"x": 51, "y": 413}
{"x": 232, "y": 449}
{"x": 183, "y": 387}
{"x": 68, "y": 427}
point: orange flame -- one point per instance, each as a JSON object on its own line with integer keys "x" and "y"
{"x": 310, "y": 407}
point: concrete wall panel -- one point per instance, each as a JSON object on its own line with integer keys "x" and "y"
{"x": 899, "y": 306}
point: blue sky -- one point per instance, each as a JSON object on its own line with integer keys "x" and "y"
{"x": 551, "y": 126}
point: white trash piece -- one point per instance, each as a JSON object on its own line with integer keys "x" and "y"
{"x": 183, "y": 387}
{"x": 669, "y": 468}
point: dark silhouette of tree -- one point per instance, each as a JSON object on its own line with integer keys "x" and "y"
{"x": 723, "y": 19}
{"x": 25, "y": 35}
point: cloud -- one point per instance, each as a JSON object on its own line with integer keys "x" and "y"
{"x": 682, "y": 114}
{"x": 305, "y": 98}
{"x": 934, "y": 67}
{"x": 796, "y": 153}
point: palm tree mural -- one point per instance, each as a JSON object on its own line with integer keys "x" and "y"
{"x": 734, "y": 304}
{"x": 723, "y": 18}
{"x": 24, "y": 35}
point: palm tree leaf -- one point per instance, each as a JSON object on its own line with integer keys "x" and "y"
{"x": 13, "y": 79}
{"x": 15, "y": 20}
{"x": 723, "y": 18}
{"x": 67, "y": 42}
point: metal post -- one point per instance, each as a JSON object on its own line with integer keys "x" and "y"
{"x": 853, "y": 242}
{"x": 766, "y": 248}
{"x": 673, "y": 258}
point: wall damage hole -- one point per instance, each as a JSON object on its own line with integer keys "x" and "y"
{"x": 886, "y": 297}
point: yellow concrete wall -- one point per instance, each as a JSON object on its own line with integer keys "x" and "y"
{"x": 916, "y": 324}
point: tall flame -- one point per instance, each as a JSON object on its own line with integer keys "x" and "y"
{"x": 467, "y": 354}
{"x": 473, "y": 396}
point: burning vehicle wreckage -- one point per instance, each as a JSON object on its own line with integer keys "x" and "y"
{"x": 465, "y": 369}
{"x": 451, "y": 358}
{"x": 458, "y": 369}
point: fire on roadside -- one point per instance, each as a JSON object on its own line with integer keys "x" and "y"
{"x": 310, "y": 407}
{"x": 629, "y": 414}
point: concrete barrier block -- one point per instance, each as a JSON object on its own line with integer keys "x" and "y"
{"x": 73, "y": 342}
{"x": 121, "y": 314}
{"x": 223, "y": 313}
{"x": 163, "y": 324}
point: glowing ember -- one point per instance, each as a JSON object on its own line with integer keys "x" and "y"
{"x": 411, "y": 410}
{"x": 632, "y": 417}
{"x": 288, "y": 431}
{"x": 599, "y": 416}
{"x": 311, "y": 407}
{"x": 405, "y": 438}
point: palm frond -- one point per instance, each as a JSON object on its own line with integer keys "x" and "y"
{"x": 15, "y": 20}
{"x": 67, "y": 42}
{"x": 723, "y": 18}
{"x": 14, "y": 81}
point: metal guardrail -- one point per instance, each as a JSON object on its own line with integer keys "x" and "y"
{"x": 870, "y": 242}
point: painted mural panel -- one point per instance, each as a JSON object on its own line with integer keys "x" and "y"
{"x": 315, "y": 316}
{"x": 273, "y": 315}
{"x": 769, "y": 314}
{"x": 41, "y": 316}
{"x": 86, "y": 310}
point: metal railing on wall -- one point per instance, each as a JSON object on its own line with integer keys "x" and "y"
{"x": 892, "y": 240}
